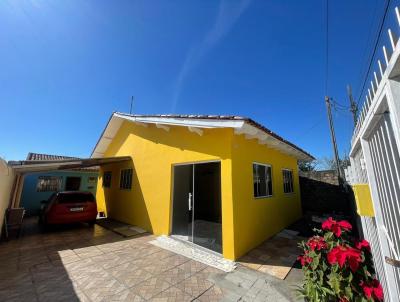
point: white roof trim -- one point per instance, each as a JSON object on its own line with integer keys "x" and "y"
{"x": 239, "y": 126}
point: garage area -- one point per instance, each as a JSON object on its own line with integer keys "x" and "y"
{"x": 81, "y": 262}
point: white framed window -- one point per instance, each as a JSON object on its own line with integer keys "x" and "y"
{"x": 262, "y": 180}
{"x": 125, "y": 181}
{"x": 107, "y": 179}
{"x": 48, "y": 183}
{"x": 287, "y": 181}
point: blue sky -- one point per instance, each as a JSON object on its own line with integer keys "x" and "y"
{"x": 65, "y": 66}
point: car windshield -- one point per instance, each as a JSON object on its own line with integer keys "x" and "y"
{"x": 75, "y": 198}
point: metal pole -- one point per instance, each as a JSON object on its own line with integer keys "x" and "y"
{"x": 353, "y": 105}
{"x": 335, "y": 149}
{"x": 132, "y": 99}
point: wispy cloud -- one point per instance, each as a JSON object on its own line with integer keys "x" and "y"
{"x": 228, "y": 13}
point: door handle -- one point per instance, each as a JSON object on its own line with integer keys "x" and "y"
{"x": 190, "y": 201}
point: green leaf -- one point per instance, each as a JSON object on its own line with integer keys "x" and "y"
{"x": 334, "y": 282}
{"x": 349, "y": 292}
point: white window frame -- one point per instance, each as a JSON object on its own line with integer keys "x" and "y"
{"x": 120, "y": 179}
{"x": 43, "y": 183}
{"x": 283, "y": 181}
{"x": 266, "y": 183}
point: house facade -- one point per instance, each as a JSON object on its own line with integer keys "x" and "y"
{"x": 224, "y": 183}
{"x": 41, "y": 185}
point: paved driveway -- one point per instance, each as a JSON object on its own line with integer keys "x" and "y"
{"x": 94, "y": 264}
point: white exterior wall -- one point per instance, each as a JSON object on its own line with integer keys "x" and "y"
{"x": 375, "y": 160}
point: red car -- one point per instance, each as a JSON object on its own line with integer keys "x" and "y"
{"x": 69, "y": 207}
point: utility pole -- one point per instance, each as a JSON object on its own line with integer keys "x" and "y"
{"x": 335, "y": 149}
{"x": 353, "y": 105}
{"x": 132, "y": 99}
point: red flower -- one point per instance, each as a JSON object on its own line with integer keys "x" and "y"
{"x": 340, "y": 254}
{"x": 337, "y": 255}
{"x": 304, "y": 260}
{"x": 372, "y": 289}
{"x": 316, "y": 242}
{"x": 378, "y": 291}
{"x": 327, "y": 224}
{"x": 335, "y": 226}
{"x": 353, "y": 258}
{"x": 363, "y": 244}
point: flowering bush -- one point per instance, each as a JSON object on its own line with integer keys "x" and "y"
{"x": 337, "y": 268}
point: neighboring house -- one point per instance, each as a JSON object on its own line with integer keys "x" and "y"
{"x": 40, "y": 186}
{"x": 375, "y": 163}
{"x": 222, "y": 182}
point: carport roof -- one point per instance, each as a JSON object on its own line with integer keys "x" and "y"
{"x": 30, "y": 166}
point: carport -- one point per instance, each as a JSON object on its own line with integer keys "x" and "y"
{"x": 24, "y": 167}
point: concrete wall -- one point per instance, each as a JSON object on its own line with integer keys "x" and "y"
{"x": 326, "y": 176}
{"x": 30, "y": 198}
{"x": 320, "y": 193}
{"x": 6, "y": 182}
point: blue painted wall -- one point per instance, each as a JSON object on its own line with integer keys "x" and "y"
{"x": 30, "y": 198}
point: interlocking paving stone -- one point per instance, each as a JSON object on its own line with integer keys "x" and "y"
{"x": 96, "y": 288}
{"x": 49, "y": 267}
{"x": 159, "y": 266}
{"x": 213, "y": 294}
{"x": 151, "y": 287}
{"x": 110, "y": 260}
{"x": 88, "y": 252}
{"x": 192, "y": 267}
{"x": 19, "y": 278}
{"x": 130, "y": 277}
{"x": 175, "y": 275}
{"x": 195, "y": 285}
{"x": 172, "y": 294}
{"x": 65, "y": 260}
{"x": 126, "y": 295}
{"x": 21, "y": 292}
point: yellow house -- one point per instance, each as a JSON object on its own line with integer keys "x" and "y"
{"x": 225, "y": 183}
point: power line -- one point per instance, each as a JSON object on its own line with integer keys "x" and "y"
{"x": 374, "y": 51}
{"x": 370, "y": 34}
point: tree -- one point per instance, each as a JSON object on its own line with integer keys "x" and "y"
{"x": 307, "y": 166}
{"x": 329, "y": 163}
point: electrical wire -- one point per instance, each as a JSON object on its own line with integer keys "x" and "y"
{"x": 374, "y": 50}
{"x": 365, "y": 53}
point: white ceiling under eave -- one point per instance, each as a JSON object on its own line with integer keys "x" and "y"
{"x": 241, "y": 127}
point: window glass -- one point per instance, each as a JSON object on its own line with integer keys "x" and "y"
{"x": 125, "y": 181}
{"x": 262, "y": 180}
{"x": 75, "y": 197}
{"x": 107, "y": 179}
{"x": 287, "y": 181}
{"x": 48, "y": 183}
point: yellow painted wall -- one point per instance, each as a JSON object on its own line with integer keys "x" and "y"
{"x": 362, "y": 195}
{"x": 154, "y": 152}
{"x": 6, "y": 182}
{"x": 246, "y": 221}
{"x": 256, "y": 219}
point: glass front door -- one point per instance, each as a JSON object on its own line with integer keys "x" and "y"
{"x": 197, "y": 204}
